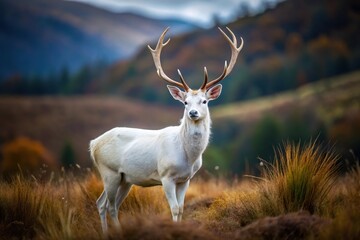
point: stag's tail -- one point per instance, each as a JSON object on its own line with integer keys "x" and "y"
{"x": 92, "y": 150}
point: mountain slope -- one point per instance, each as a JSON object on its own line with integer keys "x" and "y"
{"x": 43, "y": 36}
{"x": 295, "y": 43}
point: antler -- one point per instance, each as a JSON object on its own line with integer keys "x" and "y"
{"x": 227, "y": 68}
{"x": 156, "y": 57}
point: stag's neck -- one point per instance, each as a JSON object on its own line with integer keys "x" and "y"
{"x": 195, "y": 136}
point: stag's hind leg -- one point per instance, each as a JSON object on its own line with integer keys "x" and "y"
{"x": 101, "y": 204}
{"x": 122, "y": 192}
{"x": 111, "y": 185}
{"x": 107, "y": 200}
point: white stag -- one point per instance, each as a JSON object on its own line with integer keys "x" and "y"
{"x": 170, "y": 156}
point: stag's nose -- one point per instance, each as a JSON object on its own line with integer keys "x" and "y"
{"x": 194, "y": 114}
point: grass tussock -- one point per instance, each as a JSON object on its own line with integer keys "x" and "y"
{"x": 299, "y": 196}
{"x": 300, "y": 178}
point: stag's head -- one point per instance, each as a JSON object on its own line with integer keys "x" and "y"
{"x": 196, "y": 101}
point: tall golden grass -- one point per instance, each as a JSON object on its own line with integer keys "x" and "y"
{"x": 301, "y": 177}
{"x": 299, "y": 196}
{"x": 345, "y": 205}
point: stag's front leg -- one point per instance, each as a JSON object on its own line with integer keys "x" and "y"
{"x": 181, "y": 189}
{"x": 170, "y": 192}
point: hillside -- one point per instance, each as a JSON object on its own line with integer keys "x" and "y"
{"x": 241, "y": 131}
{"x": 326, "y": 98}
{"x": 44, "y": 36}
{"x": 328, "y": 110}
{"x": 295, "y": 43}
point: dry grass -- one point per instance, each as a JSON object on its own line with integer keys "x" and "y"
{"x": 271, "y": 208}
{"x": 301, "y": 177}
{"x": 346, "y": 222}
{"x": 233, "y": 208}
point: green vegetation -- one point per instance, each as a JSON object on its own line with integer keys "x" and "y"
{"x": 67, "y": 155}
{"x": 63, "y": 82}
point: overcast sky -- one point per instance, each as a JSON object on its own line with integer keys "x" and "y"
{"x": 201, "y": 12}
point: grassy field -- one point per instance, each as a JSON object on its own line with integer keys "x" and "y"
{"x": 299, "y": 196}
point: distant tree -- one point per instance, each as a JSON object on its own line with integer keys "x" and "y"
{"x": 328, "y": 56}
{"x": 266, "y": 136}
{"x": 64, "y": 81}
{"x": 298, "y": 128}
{"x": 293, "y": 44}
{"x": 67, "y": 155}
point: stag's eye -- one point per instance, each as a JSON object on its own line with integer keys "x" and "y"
{"x": 204, "y": 102}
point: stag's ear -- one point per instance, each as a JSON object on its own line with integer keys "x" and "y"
{"x": 214, "y": 92}
{"x": 176, "y": 93}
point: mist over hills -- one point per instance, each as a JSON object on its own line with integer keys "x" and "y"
{"x": 39, "y": 37}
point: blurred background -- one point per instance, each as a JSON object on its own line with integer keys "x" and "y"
{"x": 71, "y": 70}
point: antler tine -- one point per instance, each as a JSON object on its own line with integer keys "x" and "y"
{"x": 234, "y": 54}
{"x": 156, "y": 53}
{"x": 185, "y": 86}
{"x": 205, "y": 79}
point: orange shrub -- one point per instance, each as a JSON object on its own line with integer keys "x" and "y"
{"x": 24, "y": 154}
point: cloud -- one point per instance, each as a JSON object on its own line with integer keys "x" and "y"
{"x": 200, "y": 12}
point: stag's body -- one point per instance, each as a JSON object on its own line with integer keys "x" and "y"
{"x": 170, "y": 156}
{"x": 147, "y": 157}
{"x": 150, "y": 157}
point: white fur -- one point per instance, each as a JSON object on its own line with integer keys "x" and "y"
{"x": 169, "y": 156}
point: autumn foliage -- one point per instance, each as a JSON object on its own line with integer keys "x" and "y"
{"x": 24, "y": 155}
